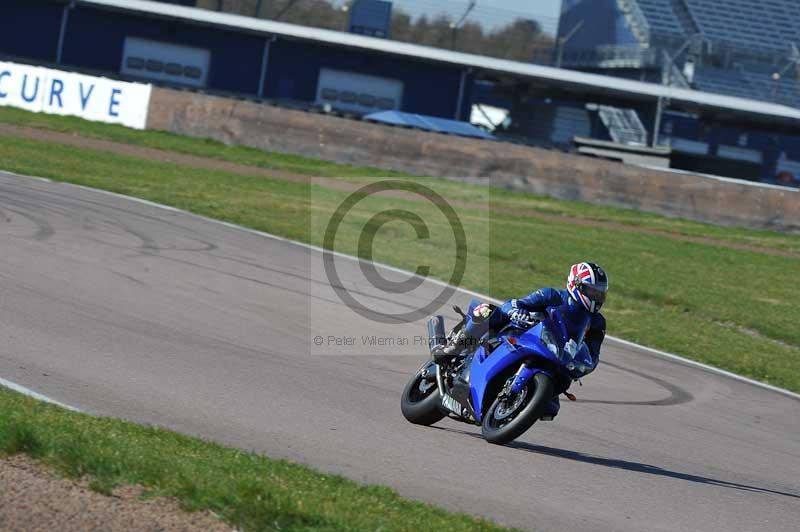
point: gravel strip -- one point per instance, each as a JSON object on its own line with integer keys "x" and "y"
{"x": 33, "y": 499}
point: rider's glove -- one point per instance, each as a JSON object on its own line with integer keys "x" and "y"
{"x": 520, "y": 318}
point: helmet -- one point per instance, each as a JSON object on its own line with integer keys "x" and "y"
{"x": 587, "y": 284}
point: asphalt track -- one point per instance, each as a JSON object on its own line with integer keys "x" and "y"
{"x": 125, "y": 309}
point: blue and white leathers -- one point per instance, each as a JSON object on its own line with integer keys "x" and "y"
{"x": 543, "y": 298}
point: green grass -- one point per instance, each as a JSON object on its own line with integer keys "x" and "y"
{"x": 163, "y": 140}
{"x": 313, "y": 167}
{"x": 247, "y": 490}
{"x": 706, "y": 301}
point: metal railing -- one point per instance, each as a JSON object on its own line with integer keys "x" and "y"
{"x": 672, "y": 75}
{"x": 612, "y": 56}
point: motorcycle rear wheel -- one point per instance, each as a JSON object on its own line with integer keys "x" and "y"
{"x": 497, "y": 428}
{"x": 421, "y": 401}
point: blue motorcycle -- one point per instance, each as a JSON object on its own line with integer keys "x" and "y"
{"x": 505, "y": 382}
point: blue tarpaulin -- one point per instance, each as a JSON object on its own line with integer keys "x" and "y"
{"x": 429, "y": 123}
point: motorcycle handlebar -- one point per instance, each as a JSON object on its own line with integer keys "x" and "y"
{"x": 535, "y": 317}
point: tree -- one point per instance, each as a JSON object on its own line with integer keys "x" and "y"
{"x": 520, "y": 40}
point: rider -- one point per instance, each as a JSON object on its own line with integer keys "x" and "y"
{"x": 587, "y": 284}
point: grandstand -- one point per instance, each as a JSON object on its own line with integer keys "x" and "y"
{"x": 735, "y": 47}
{"x": 732, "y": 47}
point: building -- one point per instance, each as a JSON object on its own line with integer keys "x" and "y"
{"x": 734, "y": 47}
{"x": 237, "y": 58}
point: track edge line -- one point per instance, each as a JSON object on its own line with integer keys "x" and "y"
{"x": 36, "y": 395}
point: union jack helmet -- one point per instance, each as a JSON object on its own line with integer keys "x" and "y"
{"x": 587, "y": 284}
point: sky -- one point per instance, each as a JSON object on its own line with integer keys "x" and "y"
{"x": 491, "y": 13}
{"x": 545, "y": 9}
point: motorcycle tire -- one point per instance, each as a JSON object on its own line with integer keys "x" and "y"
{"x": 494, "y": 431}
{"x": 421, "y": 407}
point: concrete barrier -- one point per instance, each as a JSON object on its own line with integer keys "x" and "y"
{"x": 550, "y": 173}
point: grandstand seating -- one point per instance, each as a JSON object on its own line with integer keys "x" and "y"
{"x": 785, "y": 89}
{"x": 731, "y": 82}
{"x": 749, "y": 80}
{"x": 753, "y": 40}
{"x": 769, "y": 25}
{"x": 623, "y": 125}
{"x": 766, "y": 24}
{"x": 661, "y": 18}
{"x": 687, "y": 18}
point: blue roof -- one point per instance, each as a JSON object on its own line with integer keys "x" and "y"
{"x": 429, "y": 123}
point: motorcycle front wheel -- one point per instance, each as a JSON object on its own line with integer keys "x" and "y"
{"x": 421, "y": 400}
{"x": 510, "y": 416}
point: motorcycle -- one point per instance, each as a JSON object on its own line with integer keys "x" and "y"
{"x": 506, "y": 382}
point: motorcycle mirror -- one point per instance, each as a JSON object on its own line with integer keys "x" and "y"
{"x": 459, "y": 311}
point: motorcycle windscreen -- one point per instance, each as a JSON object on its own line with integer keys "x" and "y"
{"x": 583, "y": 361}
{"x": 571, "y": 322}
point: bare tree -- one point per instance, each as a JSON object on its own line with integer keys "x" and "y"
{"x": 520, "y": 40}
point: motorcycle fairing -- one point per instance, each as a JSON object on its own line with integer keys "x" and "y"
{"x": 564, "y": 321}
{"x": 486, "y": 367}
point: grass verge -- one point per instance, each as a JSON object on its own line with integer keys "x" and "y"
{"x": 247, "y": 490}
{"x": 501, "y": 199}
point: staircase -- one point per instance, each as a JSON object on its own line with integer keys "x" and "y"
{"x": 681, "y": 10}
{"x": 623, "y": 125}
{"x": 636, "y": 21}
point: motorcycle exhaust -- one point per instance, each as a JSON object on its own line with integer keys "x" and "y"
{"x": 436, "y": 334}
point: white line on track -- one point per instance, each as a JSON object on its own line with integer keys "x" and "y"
{"x": 650, "y": 350}
{"x": 35, "y": 395}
